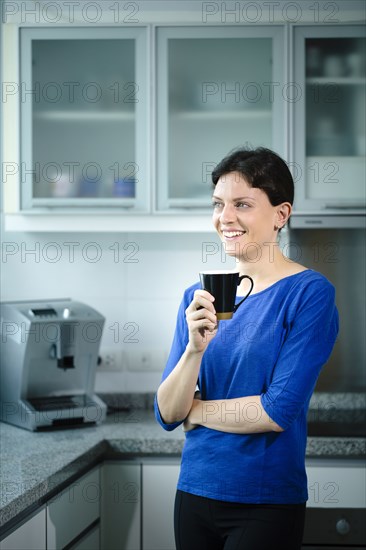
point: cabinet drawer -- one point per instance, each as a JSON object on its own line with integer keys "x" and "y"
{"x": 30, "y": 536}
{"x": 336, "y": 483}
{"x": 73, "y": 510}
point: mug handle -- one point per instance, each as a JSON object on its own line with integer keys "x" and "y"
{"x": 250, "y": 290}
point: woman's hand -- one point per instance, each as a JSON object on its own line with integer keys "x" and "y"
{"x": 201, "y": 320}
{"x": 188, "y": 425}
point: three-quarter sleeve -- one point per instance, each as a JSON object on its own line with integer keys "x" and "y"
{"x": 311, "y": 333}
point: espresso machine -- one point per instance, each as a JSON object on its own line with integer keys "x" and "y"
{"x": 49, "y": 355}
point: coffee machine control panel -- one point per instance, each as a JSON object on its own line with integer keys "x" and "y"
{"x": 43, "y": 313}
{"x": 59, "y": 310}
{"x": 46, "y": 313}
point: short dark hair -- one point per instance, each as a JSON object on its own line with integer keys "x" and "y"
{"x": 261, "y": 168}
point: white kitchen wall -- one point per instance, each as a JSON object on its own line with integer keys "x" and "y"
{"x": 136, "y": 281}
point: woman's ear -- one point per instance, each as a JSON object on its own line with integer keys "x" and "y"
{"x": 283, "y": 213}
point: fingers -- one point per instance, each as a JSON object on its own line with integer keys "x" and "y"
{"x": 201, "y": 320}
{"x": 205, "y": 317}
{"x": 202, "y": 299}
{"x": 202, "y": 308}
{"x": 203, "y": 326}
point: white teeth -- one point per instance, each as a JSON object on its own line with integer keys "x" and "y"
{"x": 233, "y": 233}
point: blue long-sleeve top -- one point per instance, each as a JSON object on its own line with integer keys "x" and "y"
{"x": 274, "y": 346}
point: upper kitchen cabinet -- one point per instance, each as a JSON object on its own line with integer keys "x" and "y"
{"x": 84, "y": 118}
{"x": 329, "y": 125}
{"x": 217, "y": 88}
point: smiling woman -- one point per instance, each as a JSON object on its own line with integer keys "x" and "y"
{"x": 243, "y": 215}
{"x": 252, "y": 202}
{"x": 242, "y": 482}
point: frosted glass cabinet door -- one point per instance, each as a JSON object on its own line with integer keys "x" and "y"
{"x": 330, "y": 66}
{"x": 217, "y": 88}
{"x": 83, "y": 116}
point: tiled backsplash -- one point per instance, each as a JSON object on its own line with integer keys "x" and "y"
{"x": 135, "y": 280}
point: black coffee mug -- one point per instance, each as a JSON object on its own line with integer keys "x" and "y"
{"x": 223, "y": 285}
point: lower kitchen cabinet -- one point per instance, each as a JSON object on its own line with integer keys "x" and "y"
{"x": 121, "y": 506}
{"x": 74, "y": 513}
{"x": 336, "y": 506}
{"x": 129, "y": 505}
{"x": 29, "y": 536}
{"x": 159, "y": 483}
{"x": 137, "y": 504}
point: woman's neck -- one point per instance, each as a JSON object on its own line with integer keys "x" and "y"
{"x": 268, "y": 269}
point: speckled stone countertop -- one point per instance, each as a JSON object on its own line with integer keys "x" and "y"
{"x": 34, "y": 466}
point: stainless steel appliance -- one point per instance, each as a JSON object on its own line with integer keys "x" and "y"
{"x": 49, "y": 354}
{"x": 332, "y": 529}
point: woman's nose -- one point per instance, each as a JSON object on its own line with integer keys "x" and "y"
{"x": 228, "y": 213}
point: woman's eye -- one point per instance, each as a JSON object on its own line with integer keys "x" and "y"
{"x": 220, "y": 205}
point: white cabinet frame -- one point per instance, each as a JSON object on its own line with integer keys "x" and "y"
{"x": 351, "y": 211}
{"x": 142, "y": 61}
{"x": 280, "y": 107}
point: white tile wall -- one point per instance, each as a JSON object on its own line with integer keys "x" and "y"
{"x": 138, "y": 289}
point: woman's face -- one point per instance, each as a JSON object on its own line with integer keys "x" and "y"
{"x": 243, "y": 217}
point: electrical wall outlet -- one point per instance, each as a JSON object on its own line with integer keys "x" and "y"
{"x": 149, "y": 360}
{"x": 111, "y": 360}
{"x": 142, "y": 361}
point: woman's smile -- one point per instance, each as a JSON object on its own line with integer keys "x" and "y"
{"x": 232, "y": 234}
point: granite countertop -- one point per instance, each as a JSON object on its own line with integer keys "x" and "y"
{"x": 35, "y": 466}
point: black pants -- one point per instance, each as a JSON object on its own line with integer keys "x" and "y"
{"x": 205, "y": 524}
